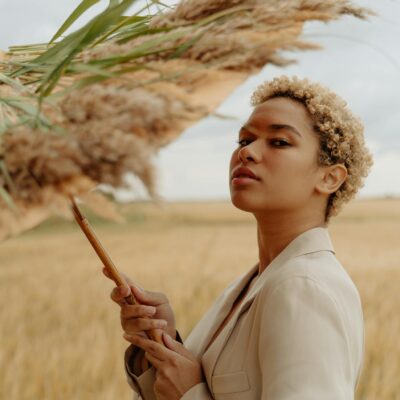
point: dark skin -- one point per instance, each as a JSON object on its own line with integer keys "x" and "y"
{"x": 177, "y": 369}
{"x": 278, "y": 143}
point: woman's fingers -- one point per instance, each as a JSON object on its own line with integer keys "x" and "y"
{"x": 154, "y": 360}
{"x": 147, "y": 297}
{"x": 132, "y": 326}
{"x": 126, "y": 278}
{"x": 144, "y": 296}
{"x": 157, "y": 350}
{"x": 138, "y": 310}
{"x": 119, "y": 293}
{"x": 105, "y": 272}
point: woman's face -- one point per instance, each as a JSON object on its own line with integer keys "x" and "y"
{"x": 278, "y": 144}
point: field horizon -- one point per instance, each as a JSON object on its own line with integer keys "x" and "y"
{"x": 61, "y": 335}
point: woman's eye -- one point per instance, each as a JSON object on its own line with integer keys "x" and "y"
{"x": 282, "y": 142}
{"x": 240, "y": 142}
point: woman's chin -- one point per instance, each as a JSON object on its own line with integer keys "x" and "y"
{"x": 243, "y": 203}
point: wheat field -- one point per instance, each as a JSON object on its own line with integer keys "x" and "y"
{"x": 60, "y": 332}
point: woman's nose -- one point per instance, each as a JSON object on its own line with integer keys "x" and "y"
{"x": 247, "y": 154}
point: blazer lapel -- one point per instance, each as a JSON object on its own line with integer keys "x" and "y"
{"x": 210, "y": 355}
{"x": 312, "y": 240}
{"x": 197, "y": 341}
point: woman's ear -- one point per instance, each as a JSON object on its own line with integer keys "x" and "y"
{"x": 332, "y": 178}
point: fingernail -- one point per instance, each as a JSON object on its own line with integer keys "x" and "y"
{"x": 139, "y": 289}
{"x": 150, "y": 309}
{"x": 124, "y": 290}
{"x": 131, "y": 338}
{"x": 167, "y": 337}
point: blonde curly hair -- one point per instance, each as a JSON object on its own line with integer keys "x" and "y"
{"x": 341, "y": 134}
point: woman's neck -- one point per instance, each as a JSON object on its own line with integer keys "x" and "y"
{"x": 273, "y": 239}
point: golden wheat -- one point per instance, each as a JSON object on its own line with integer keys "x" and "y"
{"x": 60, "y": 332}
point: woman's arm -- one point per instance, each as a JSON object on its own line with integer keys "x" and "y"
{"x": 153, "y": 312}
{"x": 303, "y": 344}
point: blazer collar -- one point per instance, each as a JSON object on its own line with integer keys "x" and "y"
{"x": 310, "y": 241}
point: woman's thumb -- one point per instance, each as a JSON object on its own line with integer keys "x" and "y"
{"x": 141, "y": 294}
{"x": 147, "y": 297}
{"x": 175, "y": 346}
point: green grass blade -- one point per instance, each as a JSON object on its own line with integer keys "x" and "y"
{"x": 81, "y": 83}
{"x": 134, "y": 30}
{"x": 25, "y": 64}
{"x": 7, "y": 177}
{"x": 7, "y": 199}
{"x": 51, "y": 78}
{"x": 124, "y": 21}
{"x": 13, "y": 83}
{"x": 82, "y": 7}
{"x": 97, "y": 26}
{"x": 22, "y": 104}
{"x": 107, "y": 19}
{"x": 160, "y": 3}
{"x": 74, "y": 43}
{"x": 55, "y": 54}
{"x": 6, "y": 124}
{"x": 26, "y": 47}
{"x": 151, "y": 46}
{"x": 91, "y": 69}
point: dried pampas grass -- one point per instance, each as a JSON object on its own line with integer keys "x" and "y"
{"x": 136, "y": 95}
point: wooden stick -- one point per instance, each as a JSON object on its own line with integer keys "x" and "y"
{"x": 119, "y": 280}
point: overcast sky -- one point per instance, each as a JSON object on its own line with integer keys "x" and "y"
{"x": 360, "y": 61}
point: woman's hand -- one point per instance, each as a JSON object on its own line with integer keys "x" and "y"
{"x": 177, "y": 368}
{"x": 135, "y": 318}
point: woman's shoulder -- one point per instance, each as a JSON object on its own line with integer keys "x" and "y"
{"x": 318, "y": 281}
{"x": 324, "y": 272}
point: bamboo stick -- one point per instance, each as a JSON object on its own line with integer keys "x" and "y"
{"x": 119, "y": 280}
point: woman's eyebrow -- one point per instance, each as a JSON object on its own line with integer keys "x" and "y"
{"x": 284, "y": 126}
{"x": 276, "y": 127}
{"x": 243, "y": 129}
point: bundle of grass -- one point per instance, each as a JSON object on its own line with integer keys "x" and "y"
{"x": 102, "y": 101}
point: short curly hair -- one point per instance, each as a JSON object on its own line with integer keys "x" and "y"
{"x": 341, "y": 134}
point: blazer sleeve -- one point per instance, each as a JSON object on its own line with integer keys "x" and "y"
{"x": 303, "y": 346}
{"x": 141, "y": 382}
{"x": 198, "y": 392}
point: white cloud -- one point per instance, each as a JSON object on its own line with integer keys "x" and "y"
{"x": 384, "y": 178}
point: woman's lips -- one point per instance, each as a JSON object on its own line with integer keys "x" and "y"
{"x": 243, "y": 180}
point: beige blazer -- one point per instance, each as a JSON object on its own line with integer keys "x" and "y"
{"x": 297, "y": 335}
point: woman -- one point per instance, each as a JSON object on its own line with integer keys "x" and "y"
{"x": 292, "y": 326}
